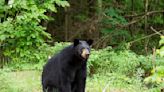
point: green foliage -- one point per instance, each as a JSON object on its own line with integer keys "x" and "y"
{"x": 20, "y": 81}
{"x": 157, "y": 78}
{"x": 114, "y": 82}
{"x": 124, "y": 62}
{"x": 138, "y": 5}
{"x": 62, "y": 3}
{"x": 36, "y": 58}
{"x": 123, "y": 69}
{"x": 158, "y": 20}
{"x": 124, "y": 21}
{"x": 114, "y": 17}
{"x": 161, "y": 50}
{"x": 20, "y": 31}
{"x": 81, "y": 17}
{"x": 157, "y": 73}
{"x": 47, "y": 52}
{"x": 116, "y": 69}
{"x": 111, "y": 21}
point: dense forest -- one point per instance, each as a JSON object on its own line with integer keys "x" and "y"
{"x": 127, "y": 54}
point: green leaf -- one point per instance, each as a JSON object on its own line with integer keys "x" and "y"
{"x": 51, "y": 7}
{"x": 2, "y": 37}
{"x": 62, "y": 3}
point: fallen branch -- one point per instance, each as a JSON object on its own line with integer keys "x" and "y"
{"x": 145, "y": 37}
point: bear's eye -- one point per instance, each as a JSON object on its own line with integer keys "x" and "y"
{"x": 82, "y": 49}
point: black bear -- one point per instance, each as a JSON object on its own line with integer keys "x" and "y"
{"x": 66, "y": 71}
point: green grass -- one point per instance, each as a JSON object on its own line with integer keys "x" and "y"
{"x": 30, "y": 81}
{"x": 22, "y": 81}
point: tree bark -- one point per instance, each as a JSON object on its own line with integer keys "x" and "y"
{"x": 66, "y": 25}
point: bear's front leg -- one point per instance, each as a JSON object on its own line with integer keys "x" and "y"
{"x": 80, "y": 80}
{"x": 66, "y": 87}
{"x": 80, "y": 86}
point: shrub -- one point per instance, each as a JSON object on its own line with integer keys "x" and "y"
{"x": 157, "y": 73}
{"x": 108, "y": 61}
{"x": 37, "y": 57}
{"x": 21, "y": 31}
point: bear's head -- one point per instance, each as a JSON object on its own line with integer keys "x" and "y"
{"x": 82, "y": 48}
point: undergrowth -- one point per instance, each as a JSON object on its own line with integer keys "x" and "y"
{"x": 109, "y": 70}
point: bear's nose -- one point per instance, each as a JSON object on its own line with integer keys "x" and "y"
{"x": 85, "y": 53}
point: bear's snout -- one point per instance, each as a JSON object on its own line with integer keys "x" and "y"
{"x": 85, "y": 53}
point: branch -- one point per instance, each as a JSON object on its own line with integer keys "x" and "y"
{"x": 145, "y": 37}
{"x": 142, "y": 17}
{"x": 118, "y": 24}
{"x": 155, "y": 31}
{"x": 131, "y": 22}
{"x": 147, "y": 13}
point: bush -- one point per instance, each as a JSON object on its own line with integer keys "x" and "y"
{"x": 37, "y": 57}
{"x": 157, "y": 72}
{"x": 21, "y": 31}
{"x": 124, "y": 62}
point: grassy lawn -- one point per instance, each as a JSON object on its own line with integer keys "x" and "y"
{"x": 30, "y": 81}
{"x": 22, "y": 81}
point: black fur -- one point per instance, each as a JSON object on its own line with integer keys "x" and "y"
{"x": 66, "y": 72}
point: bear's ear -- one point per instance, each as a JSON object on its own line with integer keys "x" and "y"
{"x": 90, "y": 41}
{"x": 76, "y": 42}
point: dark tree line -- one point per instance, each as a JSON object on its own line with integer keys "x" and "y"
{"x": 109, "y": 22}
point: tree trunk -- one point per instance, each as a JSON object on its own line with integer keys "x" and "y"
{"x": 66, "y": 24}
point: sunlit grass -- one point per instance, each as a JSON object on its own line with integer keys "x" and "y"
{"x": 30, "y": 81}
{"x": 22, "y": 81}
